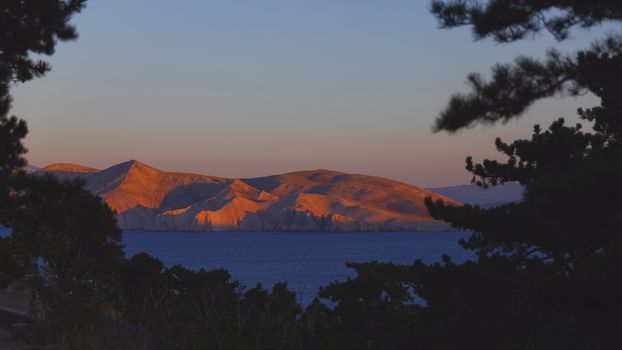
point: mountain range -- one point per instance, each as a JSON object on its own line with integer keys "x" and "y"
{"x": 486, "y": 198}
{"x": 146, "y": 198}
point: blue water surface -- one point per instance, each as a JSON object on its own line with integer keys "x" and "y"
{"x": 305, "y": 260}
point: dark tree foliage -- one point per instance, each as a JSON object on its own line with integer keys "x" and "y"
{"x": 548, "y": 267}
{"x": 562, "y": 245}
{"x": 73, "y": 232}
{"x": 12, "y": 132}
{"x": 69, "y": 242}
{"x": 10, "y": 267}
{"x": 26, "y": 28}
{"x": 514, "y": 87}
{"x": 374, "y": 310}
{"x": 65, "y": 240}
{"x": 507, "y": 21}
{"x": 206, "y": 309}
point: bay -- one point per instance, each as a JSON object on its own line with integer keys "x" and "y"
{"x": 305, "y": 260}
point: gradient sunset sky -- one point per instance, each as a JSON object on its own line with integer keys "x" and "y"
{"x": 258, "y": 87}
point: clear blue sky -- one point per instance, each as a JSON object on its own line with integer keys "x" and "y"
{"x": 257, "y": 87}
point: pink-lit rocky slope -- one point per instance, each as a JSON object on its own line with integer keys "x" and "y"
{"x": 319, "y": 200}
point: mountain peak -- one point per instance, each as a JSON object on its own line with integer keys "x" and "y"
{"x": 134, "y": 162}
{"x": 134, "y": 166}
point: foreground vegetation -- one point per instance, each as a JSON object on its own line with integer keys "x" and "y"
{"x": 548, "y": 270}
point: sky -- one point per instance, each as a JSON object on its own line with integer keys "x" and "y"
{"x": 258, "y": 87}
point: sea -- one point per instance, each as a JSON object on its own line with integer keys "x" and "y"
{"x": 305, "y": 260}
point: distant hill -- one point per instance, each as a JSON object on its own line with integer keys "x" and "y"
{"x": 69, "y": 168}
{"x": 316, "y": 200}
{"x": 490, "y": 197}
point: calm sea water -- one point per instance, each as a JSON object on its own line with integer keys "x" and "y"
{"x": 305, "y": 261}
